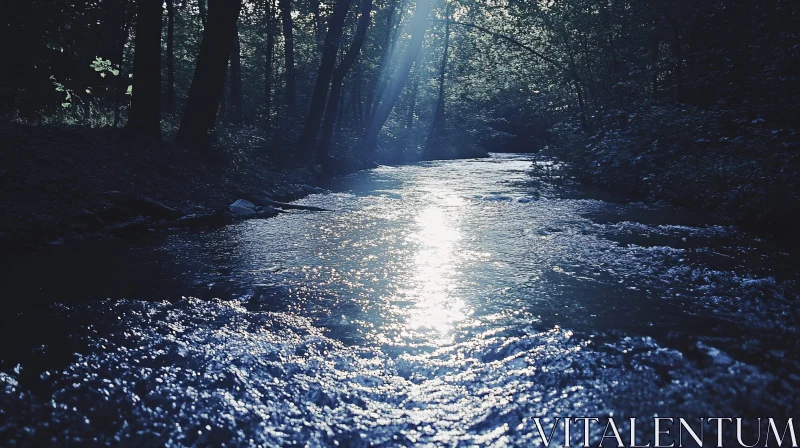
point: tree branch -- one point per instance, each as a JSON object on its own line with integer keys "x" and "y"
{"x": 506, "y": 38}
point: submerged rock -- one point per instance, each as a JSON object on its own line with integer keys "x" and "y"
{"x": 199, "y": 220}
{"x": 267, "y": 212}
{"x": 133, "y": 227}
{"x": 266, "y": 202}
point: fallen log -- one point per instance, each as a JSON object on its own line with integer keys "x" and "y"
{"x": 264, "y": 202}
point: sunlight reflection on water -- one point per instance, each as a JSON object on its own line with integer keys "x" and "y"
{"x": 436, "y": 307}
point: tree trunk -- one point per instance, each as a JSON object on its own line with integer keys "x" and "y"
{"x": 331, "y": 48}
{"x": 418, "y": 26}
{"x": 338, "y": 81}
{"x": 223, "y": 99}
{"x": 413, "y": 101}
{"x": 438, "y": 124}
{"x": 358, "y": 107}
{"x": 122, "y": 40}
{"x": 170, "y": 56}
{"x": 341, "y": 113}
{"x": 319, "y": 28}
{"x": 373, "y": 94}
{"x": 202, "y": 6}
{"x": 145, "y": 113}
{"x": 270, "y": 8}
{"x": 288, "y": 47}
{"x": 209, "y": 75}
{"x": 236, "y": 80}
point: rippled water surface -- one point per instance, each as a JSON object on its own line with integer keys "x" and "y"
{"x": 447, "y": 303}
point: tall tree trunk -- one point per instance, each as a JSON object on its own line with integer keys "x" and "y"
{"x": 121, "y": 41}
{"x": 413, "y": 101}
{"x": 573, "y": 73}
{"x": 331, "y": 48}
{"x": 236, "y": 80}
{"x": 288, "y": 47}
{"x": 223, "y": 99}
{"x": 418, "y": 26}
{"x": 270, "y": 11}
{"x": 145, "y": 113}
{"x": 209, "y": 75}
{"x": 341, "y": 113}
{"x": 170, "y": 56}
{"x": 338, "y": 81}
{"x": 319, "y": 28}
{"x": 202, "y": 6}
{"x": 373, "y": 94}
{"x": 358, "y": 107}
{"x": 438, "y": 124}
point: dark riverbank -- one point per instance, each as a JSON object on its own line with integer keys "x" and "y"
{"x": 59, "y": 185}
{"x": 723, "y": 162}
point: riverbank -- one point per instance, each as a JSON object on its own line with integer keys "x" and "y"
{"x": 745, "y": 168}
{"x": 59, "y": 185}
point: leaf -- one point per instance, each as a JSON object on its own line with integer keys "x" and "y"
{"x": 114, "y": 72}
{"x": 66, "y": 104}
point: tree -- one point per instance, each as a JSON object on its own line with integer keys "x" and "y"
{"x": 335, "y": 96}
{"x": 438, "y": 125}
{"x": 288, "y": 48}
{"x": 269, "y": 13}
{"x": 373, "y": 93}
{"x": 145, "y": 115}
{"x": 418, "y": 26}
{"x": 331, "y": 48}
{"x": 209, "y": 75}
{"x": 236, "y": 80}
{"x": 170, "y": 56}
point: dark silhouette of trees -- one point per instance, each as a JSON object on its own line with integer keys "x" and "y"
{"x": 418, "y": 26}
{"x": 146, "y": 102}
{"x": 285, "y": 7}
{"x": 592, "y": 80}
{"x": 235, "y": 112}
{"x": 170, "y": 56}
{"x": 209, "y": 76}
{"x": 438, "y": 125}
{"x": 337, "y": 83}
{"x": 269, "y": 18}
{"x": 320, "y": 93}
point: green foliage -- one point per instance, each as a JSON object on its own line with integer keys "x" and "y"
{"x": 68, "y": 94}
{"x": 104, "y": 67}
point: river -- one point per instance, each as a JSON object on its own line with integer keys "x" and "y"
{"x": 444, "y": 303}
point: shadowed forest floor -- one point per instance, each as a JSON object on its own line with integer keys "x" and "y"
{"x": 56, "y": 184}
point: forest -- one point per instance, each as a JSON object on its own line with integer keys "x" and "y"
{"x": 389, "y": 223}
{"x": 694, "y": 103}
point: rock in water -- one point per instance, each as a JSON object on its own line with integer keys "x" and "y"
{"x": 243, "y": 208}
{"x": 217, "y": 219}
{"x": 244, "y": 203}
{"x": 268, "y": 212}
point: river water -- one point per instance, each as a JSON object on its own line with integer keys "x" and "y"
{"x": 446, "y": 303}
